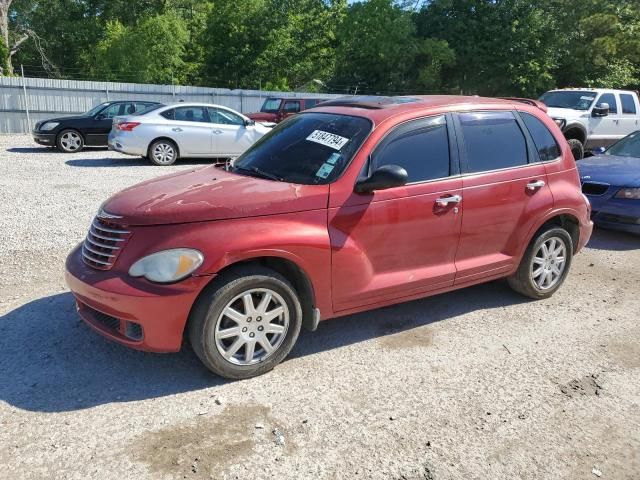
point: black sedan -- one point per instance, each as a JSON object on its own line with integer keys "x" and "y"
{"x": 71, "y": 134}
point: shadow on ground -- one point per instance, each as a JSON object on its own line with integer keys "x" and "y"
{"x": 611, "y": 240}
{"x": 49, "y": 150}
{"x": 131, "y": 162}
{"x": 50, "y": 361}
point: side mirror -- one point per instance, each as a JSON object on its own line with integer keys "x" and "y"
{"x": 100, "y": 116}
{"x": 601, "y": 110}
{"x": 386, "y": 176}
{"x": 249, "y": 123}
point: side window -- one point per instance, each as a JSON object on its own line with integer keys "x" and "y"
{"x": 609, "y": 98}
{"x": 628, "y": 104}
{"x": 492, "y": 140}
{"x": 421, "y": 147}
{"x": 310, "y": 103}
{"x": 169, "y": 114}
{"x": 128, "y": 108}
{"x": 141, "y": 107}
{"x": 224, "y": 117}
{"x": 191, "y": 114}
{"x": 113, "y": 110}
{"x": 291, "y": 106}
{"x": 545, "y": 142}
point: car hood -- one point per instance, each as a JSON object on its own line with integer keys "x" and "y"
{"x": 211, "y": 193}
{"x": 63, "y": 119}
{"x": 566, "y": 113}
{"x": 611, "y": 169}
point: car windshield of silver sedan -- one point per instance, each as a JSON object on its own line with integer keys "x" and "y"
{"x": 627, "y": 147}
{"x": 575, "y": 100}
{"x": 308, "y": 149}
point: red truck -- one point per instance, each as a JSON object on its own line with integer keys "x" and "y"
{"x": 355, "y": 205}
{"x": 277, "y": 109}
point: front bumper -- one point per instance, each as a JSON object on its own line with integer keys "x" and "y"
{"x": 132, "y": 312}
{"x": 48, "y": 139}
{"x": 615, "y": 214}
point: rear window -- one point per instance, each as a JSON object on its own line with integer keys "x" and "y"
{"x": 492, "y": 140}
{"x": 309, "y": 149}
{"x": 545, "y": 142}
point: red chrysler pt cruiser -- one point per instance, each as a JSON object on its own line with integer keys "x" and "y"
{"x": 359, "y": 203}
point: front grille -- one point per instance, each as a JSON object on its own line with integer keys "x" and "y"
{"x": 103, "y": 244}
{"x": 106, "y": 321}
{"x": 592, "y": 188}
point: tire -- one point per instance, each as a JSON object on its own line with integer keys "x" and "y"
{"x": 163, "y": 152}
{"x": 577, "y": 148}
{"x": 230, "y": 355}
{"x": 525, "y": 280}
{"x": 70, "y": 141}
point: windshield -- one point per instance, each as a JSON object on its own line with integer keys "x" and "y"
{"x": 575, "y": 100}
{"x": 96, "y": 109}
{"x": 271, "y": 105}
{"x": 308, "y": 149}
{"x": 627, "y": 147}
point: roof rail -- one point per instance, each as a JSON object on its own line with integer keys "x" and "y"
{"x": 366, "y": 101}
{"x": 528, "y": 101}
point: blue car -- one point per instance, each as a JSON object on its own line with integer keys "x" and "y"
{"x": 611, "y": 181}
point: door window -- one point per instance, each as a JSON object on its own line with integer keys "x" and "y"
{"x": 628, "y": 104}
{"x": 609, "y": 98}
{"x": 545, "y": 142}
{"x": 421, "y": 147}
{"x": 113, "y": 110}
{"x": 291, "y": 107}
{"x": 224, "y": 117}
{"x": 190, "y": 114}
{"x": 492, "y": 141}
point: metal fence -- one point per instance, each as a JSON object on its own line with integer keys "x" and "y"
{"x": 25, "y": 101}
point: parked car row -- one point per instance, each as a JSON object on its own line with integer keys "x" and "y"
{"x": 164, "y": 133}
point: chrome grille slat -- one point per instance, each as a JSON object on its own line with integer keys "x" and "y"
{"x": 99, "y": 249}
{"x": 109, "y": 230}
{"x": 101, "y": 245}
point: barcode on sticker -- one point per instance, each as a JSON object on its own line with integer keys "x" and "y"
{"x": 327, "y": 139}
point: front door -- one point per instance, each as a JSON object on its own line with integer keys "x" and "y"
{"x": 100, "y": 126}
{"x": 232, "y": 137}
{"x": 606, "y": 130}
{"x": 400, "y": 242}
{"x": 505, "y": 190}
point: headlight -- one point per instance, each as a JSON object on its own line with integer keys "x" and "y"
{"x": 167, "y": 266}
{"x": 561, "y": 122}
{"x": 629, "y": 193}
{"x": 49, "y": 126}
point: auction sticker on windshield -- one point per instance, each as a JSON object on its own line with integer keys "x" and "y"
{"x": 327, "y": 139}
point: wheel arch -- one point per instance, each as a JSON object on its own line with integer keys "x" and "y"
{"x": 164, "y": 137}
{"x": 565, "y": 219}
{"x": 576, "y": 131}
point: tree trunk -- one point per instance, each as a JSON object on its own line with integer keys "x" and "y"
{"x": 4, "y": 34}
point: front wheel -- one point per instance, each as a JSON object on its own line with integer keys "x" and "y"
{"x": 246, "y": 323}
{"x": 70, "y": 141}
{"x": 545, "y": 264}
{"x": 577, "y": 148}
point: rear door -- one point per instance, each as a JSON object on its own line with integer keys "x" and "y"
{"x": 402, "y": 241}
{"x": 189, "y": 126}
{"x": 629, "y": 115}
{"x": 505, "y": 191}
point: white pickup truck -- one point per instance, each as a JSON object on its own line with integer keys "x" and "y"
{"x": 593, "y": 117}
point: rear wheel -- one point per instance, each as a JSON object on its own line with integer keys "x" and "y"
{"x": 163, "y": 152}
{"x": 246, "y": 323}
{"x": 577, "y": 148}
{"x": 70, "y": 141}
{"x": 545, "y": 264}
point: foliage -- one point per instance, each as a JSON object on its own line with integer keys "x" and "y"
{"x": 488, "y": 47}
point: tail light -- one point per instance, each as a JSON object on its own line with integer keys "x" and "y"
{"x": 127, "y": 126}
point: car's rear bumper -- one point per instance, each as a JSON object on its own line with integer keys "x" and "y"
{"x": 139, "y": 315}
{"x": 126, "y": 144}
{"x": 48, "y": 139}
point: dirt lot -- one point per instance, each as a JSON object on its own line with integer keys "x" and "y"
{"x": 475, "y": 384}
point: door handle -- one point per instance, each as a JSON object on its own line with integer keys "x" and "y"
{"x": 535, "y": 185}
{"x": 445, "y": 201}
{"x": 217, "y": 132}
{"x": 177, "y": 129}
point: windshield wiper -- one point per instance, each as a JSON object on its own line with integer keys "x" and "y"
{"x": 260, "y": 173}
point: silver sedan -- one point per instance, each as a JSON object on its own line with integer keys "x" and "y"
{"x": 167, "y": 132}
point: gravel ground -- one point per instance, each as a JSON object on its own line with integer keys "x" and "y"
{"x": 475, "y": 384}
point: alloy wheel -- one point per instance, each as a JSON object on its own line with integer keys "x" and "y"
{"x": 252, "y": 326}
{"x": 71, "y": 141}
{"x": 549, "y": 263}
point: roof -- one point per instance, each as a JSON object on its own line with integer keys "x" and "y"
{"x": 587, "y": 89}
{"x": 380, "y": 108}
